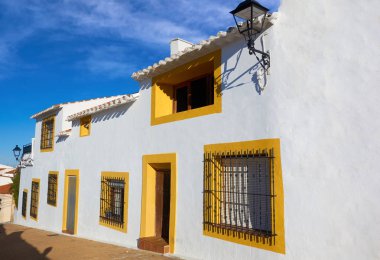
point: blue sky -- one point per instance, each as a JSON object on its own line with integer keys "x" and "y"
{"x": 58, "y": 51}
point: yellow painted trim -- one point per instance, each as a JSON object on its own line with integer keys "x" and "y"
{"x": 279, "y": 246}
{"x": 215, "y": 57}
{"x": 38, "y": 198}
{"x": 45, "y": 150}
{"x": 56, "y": 195}
{"x": 64, "y": 218}
{"x": 147, "y": 226}
{"x": 126, "y": 192}
{"x": 26, "y": 206}
{"x": 83, "y": 131}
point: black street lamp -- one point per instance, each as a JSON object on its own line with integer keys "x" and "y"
{"x": 250, "y": 17}
{"x": 16, "y": 152}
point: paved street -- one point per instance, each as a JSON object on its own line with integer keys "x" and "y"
{"x": 18, "y": 242}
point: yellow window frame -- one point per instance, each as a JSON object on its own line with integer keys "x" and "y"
{"x": 278, "y": 245}
{"x": 148, "y": 197}
{"x": 124, "y": 175}
{"x": 68, "y": 173}
{"x": 56, "y": 173}
{"x": 44, "y": 133}
{"x": 162, "y": 96}
{"x": 38, "y": 199}
{"x": 85, "y": 126}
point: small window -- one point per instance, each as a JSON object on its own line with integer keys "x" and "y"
{"x": 114, "y": 200}
{"x": 34, "y": 197}
{"x": 47, "y": 134}
{"x": 24, "y": 201}
{"x": 194, "y": 94}
{"x": 52, "y": 189}
{"x": 85, "y": 126}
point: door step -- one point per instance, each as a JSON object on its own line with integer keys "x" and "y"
{"x": 154, "y": 244}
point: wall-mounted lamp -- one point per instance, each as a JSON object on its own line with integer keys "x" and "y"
{"x": 16, "y": 152}
{"x": 250, "y": 18}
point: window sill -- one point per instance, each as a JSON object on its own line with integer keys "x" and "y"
{"x": 46, "y": 150}
{"x": 121, "y": 229}
{"x": 202, "y": 111}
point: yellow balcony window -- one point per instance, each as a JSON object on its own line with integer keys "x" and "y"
{"x": 190, "y": 90}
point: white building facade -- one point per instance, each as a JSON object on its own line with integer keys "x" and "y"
{"x": 278, "y": 166}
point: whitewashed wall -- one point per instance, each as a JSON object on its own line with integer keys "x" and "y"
{"x": 322, "y": 102}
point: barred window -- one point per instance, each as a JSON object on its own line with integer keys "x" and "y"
{"x": 52, "y": 189}
{"x": 47, "y": 133}
{"x": 113, "y": 200}
{"x": 239, "y": 193}
{"x": 35, "y": 192}
{"x": 24, "y": 201}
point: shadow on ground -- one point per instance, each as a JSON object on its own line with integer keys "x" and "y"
{"x": 12, "y": 246}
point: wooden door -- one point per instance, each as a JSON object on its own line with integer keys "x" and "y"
{"x": 162, "y": 204}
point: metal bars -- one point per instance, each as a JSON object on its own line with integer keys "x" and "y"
{"x": 24, "y": 201}
{"x": 47, "y": 133}
{"x": 34, "y": 199}
{"x": 52, "y": 189}
{"x": 112, "y": 201}
{"x": 239, "y": 194}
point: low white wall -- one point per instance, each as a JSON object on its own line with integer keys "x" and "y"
{"x": 6, "y": 208}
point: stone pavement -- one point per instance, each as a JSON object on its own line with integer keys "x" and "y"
{"x": 19, "y": 242}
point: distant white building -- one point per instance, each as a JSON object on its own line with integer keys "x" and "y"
{"x": 6, "y": 200}
{"x": 6, "y": 175}
{"x": 214, "y": 159}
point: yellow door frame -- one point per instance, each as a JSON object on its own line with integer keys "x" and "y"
{"x": 66, "y": 194}
{"x": 148, "y": 196}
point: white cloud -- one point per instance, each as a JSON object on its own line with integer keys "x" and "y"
{"x": 152, "y": 23}
{"x": 109, "y": 61}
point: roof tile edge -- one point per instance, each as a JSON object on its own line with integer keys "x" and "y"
{"x": 202, "y": 48}
{"x": 124, "y": 99}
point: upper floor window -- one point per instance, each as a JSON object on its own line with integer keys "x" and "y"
{"x": 85, "y": 126}
{"x": 47, "y": 134}
{"x": 193, "y": 94}
{"x": 190, "y": 90}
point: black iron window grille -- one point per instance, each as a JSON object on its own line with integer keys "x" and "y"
{"x": 52, "y": 189}
{"x": 47, "y": 134}
{"x": 34, "y": 199}
{"x": 24, "y": 201}
{"x": 239, "y": 197}
{"x": 112, "y": 201}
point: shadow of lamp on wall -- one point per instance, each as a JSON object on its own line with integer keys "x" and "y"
{"x": 250, "y": 18}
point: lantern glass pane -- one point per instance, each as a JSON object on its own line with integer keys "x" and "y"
{"x": 246, "y": 13}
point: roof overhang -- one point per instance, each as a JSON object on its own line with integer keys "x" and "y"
{"x": 107, "y": 105}
{"x": 47, "y": 111}
{"x": 205, "y": 47}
